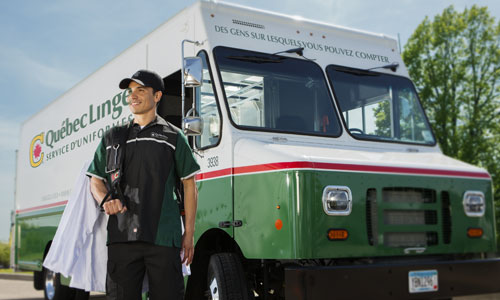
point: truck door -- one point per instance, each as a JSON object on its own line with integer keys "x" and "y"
{"x": 213, "y": 153}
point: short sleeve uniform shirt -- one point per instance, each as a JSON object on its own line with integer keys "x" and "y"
{"x": 156, "y": 157}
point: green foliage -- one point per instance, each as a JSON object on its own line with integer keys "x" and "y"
{"x": 454, "y": 61}
{"x": 411, "y": 124}
{"x": 382, "y": 119}
{"x": 34, "y": 239}
{"x": 4, "y": 254}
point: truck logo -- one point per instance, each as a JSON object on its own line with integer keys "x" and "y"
{"x": 36, "y": 153}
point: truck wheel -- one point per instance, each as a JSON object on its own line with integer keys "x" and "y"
{"x": 226, "y": 280}
{"x": 53, "y": 289}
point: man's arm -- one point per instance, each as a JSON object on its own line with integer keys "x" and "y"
{"x": 99, "y": 191}
{"x": 190, "y": 205}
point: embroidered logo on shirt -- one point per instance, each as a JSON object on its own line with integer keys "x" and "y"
{"x": 115, "y": 175}
{"x": 159, "y": 136}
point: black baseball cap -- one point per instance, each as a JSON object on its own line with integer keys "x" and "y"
{"x": 145, "y": 78}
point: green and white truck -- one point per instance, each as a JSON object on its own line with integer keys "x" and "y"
{"x": 321, "y": 177}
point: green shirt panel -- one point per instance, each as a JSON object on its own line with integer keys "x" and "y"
{"x": 185, "y": 163}
{"x": 169, "y": 227}
{"x": 98, "y": 166}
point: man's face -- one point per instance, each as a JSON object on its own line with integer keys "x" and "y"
{"x": 141, "y": 100}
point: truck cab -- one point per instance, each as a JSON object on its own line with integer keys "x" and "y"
{"x": 318, "y": 161}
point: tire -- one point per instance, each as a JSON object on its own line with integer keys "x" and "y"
{"x": 54, "y": 290}
{"x": 226, "y": 280}
{"x": 38, "y": 281}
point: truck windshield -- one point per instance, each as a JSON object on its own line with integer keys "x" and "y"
{"x": 378, "y": 106}
{"x": 276, "y": 93}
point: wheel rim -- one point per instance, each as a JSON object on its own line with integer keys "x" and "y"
{"x": 214, "y": 289}
{"x": 50, "y": 278}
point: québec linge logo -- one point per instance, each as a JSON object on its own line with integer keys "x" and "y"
{"x": 36, "y": 153}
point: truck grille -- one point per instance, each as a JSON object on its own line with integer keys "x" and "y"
{"x": 409, "y": 217}
{"x": 371, "y": 216}
{"x": 410, "y": 239}
{"x": 446, "y": 216}
{"x": 408, "y": 195}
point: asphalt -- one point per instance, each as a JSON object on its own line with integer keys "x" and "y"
{"x": 14, "y": 276}
{"x": 29, "y": 277}
{"x": 20, "y": 287}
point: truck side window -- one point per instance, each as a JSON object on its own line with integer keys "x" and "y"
{"x": 208, "y": 109}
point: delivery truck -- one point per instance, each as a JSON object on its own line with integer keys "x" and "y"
{"x": 320, "y": 174}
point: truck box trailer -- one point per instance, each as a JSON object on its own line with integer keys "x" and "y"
{"x": 320, "y": 172}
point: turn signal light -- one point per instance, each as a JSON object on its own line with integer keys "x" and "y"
{"x": 278, "y": 224}
{"x": 475, "y": 232}
{"x": 337, "y": 234}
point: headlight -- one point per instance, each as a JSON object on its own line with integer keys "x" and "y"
{"x": 337, "y": 200}
{"x": 474, "y": 205}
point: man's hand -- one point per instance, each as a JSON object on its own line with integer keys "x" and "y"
{"x": 188, "y": 248}
{"x": 114, "y": 206}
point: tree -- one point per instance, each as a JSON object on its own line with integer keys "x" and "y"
{"x": 4, "y": 255}
{"x": 454, "y": 61}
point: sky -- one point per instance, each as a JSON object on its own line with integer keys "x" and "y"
{"x": 46, "y": 47}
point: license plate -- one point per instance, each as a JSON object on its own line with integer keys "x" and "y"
{"x": 423, "y": 281}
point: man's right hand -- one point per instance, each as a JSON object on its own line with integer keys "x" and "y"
{"x": 99, "y": 191}
{"x": 114, "y": 206}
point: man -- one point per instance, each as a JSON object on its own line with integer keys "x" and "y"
{"x": 144, "y": 227}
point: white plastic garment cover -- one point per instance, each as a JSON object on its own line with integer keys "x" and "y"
{"x": 79, "y": 249}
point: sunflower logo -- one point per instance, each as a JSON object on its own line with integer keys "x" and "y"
{"x": 36, "y": 153}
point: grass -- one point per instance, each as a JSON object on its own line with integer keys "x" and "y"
{"x": 11, "y": 271}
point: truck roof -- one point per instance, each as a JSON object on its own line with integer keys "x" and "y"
{"x": 235, "y": 9}
{"x": 297, "y": 18}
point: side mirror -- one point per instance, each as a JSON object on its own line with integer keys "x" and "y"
{"x": 193, "y": 71}
{"x": 192, "y": 125}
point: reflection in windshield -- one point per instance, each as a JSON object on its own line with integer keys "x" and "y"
{"x": 379, "y": 106}
{"x": 276, "y": 93}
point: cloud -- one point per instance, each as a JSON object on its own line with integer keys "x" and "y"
{"x": 6, "y": 202}
{"x": 9, "y": 141}
{"x": 9, "y": 135}
{"x": 21, "y": 66}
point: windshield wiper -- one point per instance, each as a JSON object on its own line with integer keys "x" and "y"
{"x": 393, "y": 67}
{"x": 256, "y": 59}
{"x": 356, "y": 72}
{"x": 298, "y": 51}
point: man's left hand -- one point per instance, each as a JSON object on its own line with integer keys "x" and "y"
{"x": 188, "y": 248}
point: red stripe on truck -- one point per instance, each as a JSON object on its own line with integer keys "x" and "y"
{"x": 20, "y": 211}
{"x": 338, "y": 167}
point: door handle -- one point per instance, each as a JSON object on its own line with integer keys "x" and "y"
{"x": 227, "y": 224}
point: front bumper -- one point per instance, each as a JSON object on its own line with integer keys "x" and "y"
{"x": 390, "y": 281}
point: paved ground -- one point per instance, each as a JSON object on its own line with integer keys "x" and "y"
{"x": 18, "y": 289}
{"x": 482, "y": 297}
{"x": 21, "y": 288}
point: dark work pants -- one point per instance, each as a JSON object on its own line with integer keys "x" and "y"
{"x": 129, "y": 262}
{"x": 113, "y": 291}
